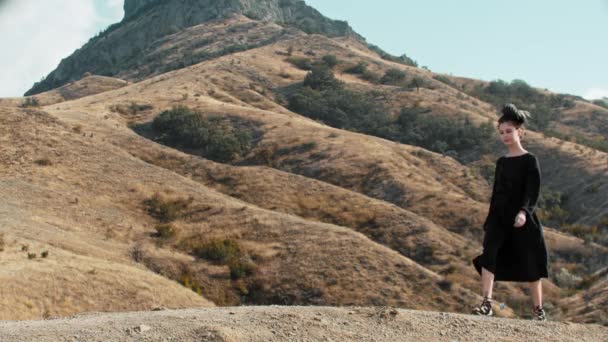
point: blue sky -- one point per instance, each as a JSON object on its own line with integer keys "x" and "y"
{"x": 559, "y": 44}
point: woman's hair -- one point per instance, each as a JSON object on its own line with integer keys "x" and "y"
{"x": 510, "y": 113}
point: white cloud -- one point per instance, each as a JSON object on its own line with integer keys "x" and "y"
{"x": 595, "y": 93}
{"x": 36, "y": 35}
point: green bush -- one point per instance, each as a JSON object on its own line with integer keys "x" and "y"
{"x": 545, "y": 108}
{"x": 444, "y": 79}
{"x": 239, "y": 269}
{"x": 393, "y": 76}
{"x": 130, "y": 109}
{"x": 370, "y": 76}
{"x": 321, "y": 78}
{"x": 301, "y": 62}
{"x": 357, "y": 69}
{"x": 330, "y": 60}
{"x": 215, "y": 138}
{"x": 417, "y": 82}
{"x": 322, "y": 98}
{"x": 218, "y": 250}
{"x": 440, "y": 134}
{"x": 331, "y": 103}
{"x": 166, "y": 210}
{"x": 403, "y": 59}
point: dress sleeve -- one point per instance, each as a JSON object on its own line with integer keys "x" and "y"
{"x": 497, "y": 170}
{"x": 532, "y": 187}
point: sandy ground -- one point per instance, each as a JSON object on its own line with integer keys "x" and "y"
{"x": 295, "y": 323}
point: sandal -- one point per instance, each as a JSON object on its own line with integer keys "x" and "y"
{"x": 485, "y": 309}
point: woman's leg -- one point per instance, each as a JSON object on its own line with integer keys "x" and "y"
{"x": 536, "y": 289}
{"x": 487, "y": 282}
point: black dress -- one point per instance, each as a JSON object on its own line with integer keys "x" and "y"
{"x": 514, "y": 253}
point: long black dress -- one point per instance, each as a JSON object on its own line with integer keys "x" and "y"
{"x": 514, "y": 253}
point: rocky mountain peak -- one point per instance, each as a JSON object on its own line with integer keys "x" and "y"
{"x": 146, "y": 21}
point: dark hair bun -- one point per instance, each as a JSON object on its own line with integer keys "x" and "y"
{"x": 511, "y": 113}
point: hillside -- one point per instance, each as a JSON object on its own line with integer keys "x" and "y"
{"x": 309, "y": 212}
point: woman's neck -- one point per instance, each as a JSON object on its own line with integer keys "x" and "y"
{"x": 516, "y": 150}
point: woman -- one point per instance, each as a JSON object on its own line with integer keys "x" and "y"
{"x": 513, "y": 246}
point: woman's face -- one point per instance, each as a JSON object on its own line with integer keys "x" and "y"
{"x": 509, "y": 133}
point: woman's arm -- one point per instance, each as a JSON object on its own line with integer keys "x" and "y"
{"x": 532, "y": 187}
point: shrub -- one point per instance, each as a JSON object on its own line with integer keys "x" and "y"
{"x": 300, "y": 62}
{"x": 137, "y": 253}
{"x": 130, "y": 109}
{"x": 215, "y": 138}
{"x": 266, "y": 154}
{"x": 440, "y": 134}
{"x": 545, "y": 108}
{"x": 166, "y": 210}
{"x": 31, "y": 255}
{"x": 165, "y": 231}
{"x": 30, "y": 102}
{"x": 565, "y": 279}
{"x": 321, "y": 78}
{"x": 43, "y": 161}
{"x": 359, "y": 68}
{"x": 445, "y": 284}
{"x": 218, "y": 250}
{"x": 330, "y": 60}
{"x": 581, "y": 230}
{"x": 340, "y": 108}
{"x": 370, "y": 76}
{"x": 44, "y": 254}
{"x": 443, "y": 79}
{"x": 393, "y": 76}
{"x": 417, "y": 82}
{"x": 403, "y": 59}
{"x": 240, "y": 268}
{"x": 601, "y": 103}
{"x": 2, "y": 243}
{"x": 188, "y": 280}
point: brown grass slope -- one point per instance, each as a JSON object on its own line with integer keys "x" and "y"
{"x": 589, "y": 306}
{"x": 91, "y": 192}
{"x": 86, "y": 86}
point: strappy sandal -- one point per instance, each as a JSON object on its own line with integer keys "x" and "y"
{"x": 485, "y": 308}
{"x": 538, "y": 313}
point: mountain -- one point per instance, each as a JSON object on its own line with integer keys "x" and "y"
{"x": 241, "y": 160}
{"x": 139, "y": 35}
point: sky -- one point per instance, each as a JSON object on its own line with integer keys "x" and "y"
{"x": 560, "y": 45}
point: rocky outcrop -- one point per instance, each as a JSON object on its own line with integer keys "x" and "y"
{"x": 121, "y": 46}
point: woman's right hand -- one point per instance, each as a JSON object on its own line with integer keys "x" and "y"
{"x": 520, "y": 219}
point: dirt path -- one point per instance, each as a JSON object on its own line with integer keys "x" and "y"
{"x": 277, "y": 323}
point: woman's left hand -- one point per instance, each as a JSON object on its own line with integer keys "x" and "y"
{"x": 520, "y": 219}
